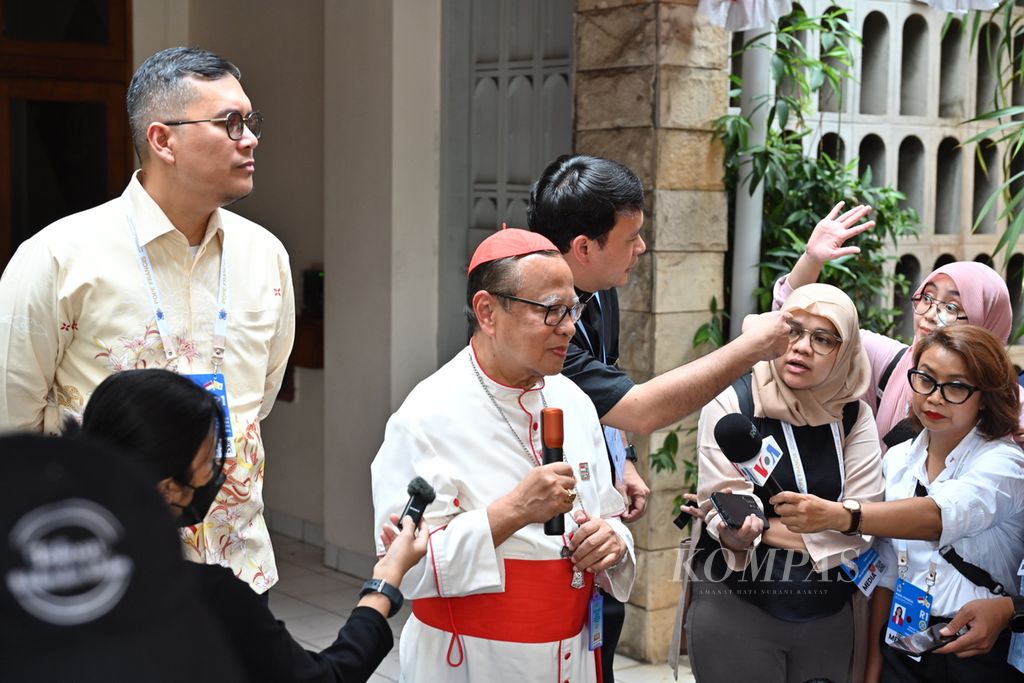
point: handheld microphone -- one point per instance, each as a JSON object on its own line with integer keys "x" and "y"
{"x": 552, "y": 436}
{"x": 421, "y": 494}
{"x": 753, "y": 457}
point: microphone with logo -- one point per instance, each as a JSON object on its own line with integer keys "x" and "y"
{"x": 421, "y": 494}
{"x": 552, "y": 436}
{"x": 752, "y": 456}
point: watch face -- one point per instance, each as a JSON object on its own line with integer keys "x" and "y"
{"x": 851, "y": 505}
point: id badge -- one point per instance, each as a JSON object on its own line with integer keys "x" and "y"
{"x": 865, "y": 572}
{"x": 909, "y": 612}
{"x": 596, "y": 621}
{"x": 217, "y": 385}
{"x": 617, "y": 447}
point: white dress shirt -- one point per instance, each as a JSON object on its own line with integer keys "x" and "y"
{"x": 981, "y": 497}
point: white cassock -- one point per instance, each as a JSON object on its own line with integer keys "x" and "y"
{"x": 534, "y": 626}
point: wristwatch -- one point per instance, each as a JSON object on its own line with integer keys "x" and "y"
{"x": 1017, "y": 620}
{"x": 631, "y": 453}
{"x": 853, "y": 507}
{"x": 387, "y": 590}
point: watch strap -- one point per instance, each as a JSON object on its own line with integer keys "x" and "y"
{"x": 1017, "y": 620}
{"x": 631, "y": 453}
{"x": 381, "y": 586}
{"x": 855, "y": 520}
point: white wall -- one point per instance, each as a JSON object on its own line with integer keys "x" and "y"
{"x": 382, "y": 85}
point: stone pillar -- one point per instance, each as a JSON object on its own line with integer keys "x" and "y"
{"x": 651, "y": 77}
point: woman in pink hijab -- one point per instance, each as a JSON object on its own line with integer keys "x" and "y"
{"x": 965, "y": 291}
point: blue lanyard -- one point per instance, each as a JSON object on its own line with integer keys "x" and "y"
{"x": 600, "y": 322}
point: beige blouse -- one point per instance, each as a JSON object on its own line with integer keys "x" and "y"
{"x": 863, "y": 464}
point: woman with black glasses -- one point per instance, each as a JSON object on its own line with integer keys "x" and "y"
{"x": 954, "y": 512}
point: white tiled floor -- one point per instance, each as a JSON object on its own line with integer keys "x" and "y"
{"x": 314, "y": 602}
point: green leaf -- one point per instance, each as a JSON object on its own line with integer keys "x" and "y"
{"x": 816, "y": 78}
{"x": 828, "y": 41}
{"x": 782, "y": 113}
{"x": 778, "y": 68}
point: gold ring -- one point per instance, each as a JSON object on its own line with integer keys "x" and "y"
{"x": 570, "y": 496}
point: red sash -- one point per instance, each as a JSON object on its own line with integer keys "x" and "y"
{"x": 538, "y": 606}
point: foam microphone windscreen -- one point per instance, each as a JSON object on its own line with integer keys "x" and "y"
{"x": 738, "y": 438}
{"x": 421, "y": 494}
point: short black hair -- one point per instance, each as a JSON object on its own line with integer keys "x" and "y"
{"x": 159, "y": 418}
{"x": 160, "y": 87}
{"x": 582, "y": 195}
{"x": 500, "y": 275}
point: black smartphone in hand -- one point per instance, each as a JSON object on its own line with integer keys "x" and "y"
{"x": 923, "y": 641}
{"x": 734, "y": 508}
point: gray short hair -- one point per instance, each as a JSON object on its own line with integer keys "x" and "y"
{"x": 160, "y": 87}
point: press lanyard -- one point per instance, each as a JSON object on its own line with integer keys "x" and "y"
{"x": 220, "y": 324}
{"x": 903, "y": 564}
{"x": 583, "y": 330}
{"x": 903, "y": 558}
{"x": 798, "y": 464}
{"x": 614, "y": 438}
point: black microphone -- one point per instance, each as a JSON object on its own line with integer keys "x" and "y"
{"x": 421, "y": 494}
{"x": 753, "y": 456}
{"x": 552, "y": 436}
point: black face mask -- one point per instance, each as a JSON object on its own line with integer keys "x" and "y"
{"x": 202, "y": 498}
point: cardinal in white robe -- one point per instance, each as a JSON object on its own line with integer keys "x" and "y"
{"x": 496, "y": 598}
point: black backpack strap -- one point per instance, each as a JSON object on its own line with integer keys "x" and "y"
{"x": 851, "y": 411}
{"x": 883, "y": 381}
{"x": 745, "y": 395}
{"x": 972, "y": 572}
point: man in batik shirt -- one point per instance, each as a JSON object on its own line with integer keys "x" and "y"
{"x": 163, "y": 276}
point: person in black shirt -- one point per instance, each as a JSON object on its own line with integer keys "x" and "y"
{"x": 176, "y": 428}
{"x": 592, "y": 209}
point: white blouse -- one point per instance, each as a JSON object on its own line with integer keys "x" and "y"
{"x": 980, "y": 494}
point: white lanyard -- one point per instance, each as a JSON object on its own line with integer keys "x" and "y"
{"x": 220, "y": 324}
{"x": 798, "y": 464}
{"x": 903, "y": 563}
{"x": 902, "y": 557}
{"x": 583, "y": 330}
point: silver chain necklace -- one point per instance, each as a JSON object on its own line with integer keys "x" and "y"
{"x": 578, "y": 580}
{"x": 528, "y": 452}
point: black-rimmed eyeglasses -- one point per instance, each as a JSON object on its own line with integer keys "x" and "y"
{"x": 554, "y": 314}
{"x": 234, "y": 123}
{"x": 953, "y": 392}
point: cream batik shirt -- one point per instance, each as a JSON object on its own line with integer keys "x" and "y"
{"x": 75, "y": 307}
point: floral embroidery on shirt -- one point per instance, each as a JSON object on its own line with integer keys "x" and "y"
{"x": 129, "y": 353}
{"x": 187, "y": 349}
{"x": 277, "y": 291}
{"x": 69, "y": 326}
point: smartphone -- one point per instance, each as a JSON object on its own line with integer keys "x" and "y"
{"x": 923, "y": 641}
{"x": 734, "y": 508}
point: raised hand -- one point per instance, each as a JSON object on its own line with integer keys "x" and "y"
{"x": 769, "y": 332}
{"x": 828, "y": 239}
